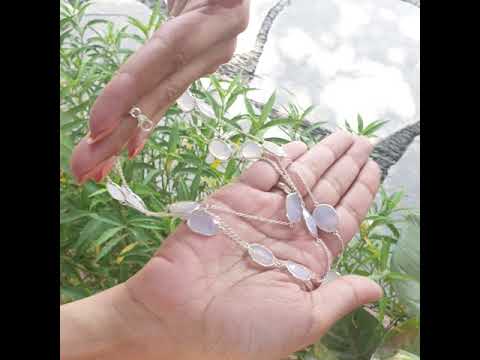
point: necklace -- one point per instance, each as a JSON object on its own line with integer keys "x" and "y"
{"x": 201, "y": 219}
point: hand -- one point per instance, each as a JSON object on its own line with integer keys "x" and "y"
{"x": 201, "y": 37}
{"x": 202, "y": 298}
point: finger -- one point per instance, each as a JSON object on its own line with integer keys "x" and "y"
{"x": 314, "y": 163}
{"x": 88, "y": 155}
{"x": 332, "y": 301}
{"x": 354, "y": 205}
{"x": 334, "y": 182}
{"x": 104, "y": 169}
{"x": 167, "y": 92}
{"x": 262, "y": 176}
{"x": 172, "y": 47}
{"x": 176, "y": 7}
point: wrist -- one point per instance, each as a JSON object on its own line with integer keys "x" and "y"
{"x": 108, "y": 325}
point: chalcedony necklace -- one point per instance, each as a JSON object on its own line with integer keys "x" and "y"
{"x": 201, "y": 219}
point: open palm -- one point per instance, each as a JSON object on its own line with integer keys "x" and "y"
{"x": 211, "y": 301}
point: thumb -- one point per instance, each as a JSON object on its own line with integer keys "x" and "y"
{"x": 336, "y": 299}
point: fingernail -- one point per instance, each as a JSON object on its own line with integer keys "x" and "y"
{"x": 94, "y": 173}
{"x": 106, "y": 168}
{"x": 102, "y": 134}
{"x": 134, "y": 152}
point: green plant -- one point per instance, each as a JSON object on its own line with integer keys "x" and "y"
{"x": 103, "y": 243}
{"x": 369, "y": 130}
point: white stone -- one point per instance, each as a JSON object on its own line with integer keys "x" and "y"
{"x": 299, "y": 271}
{"x": 115, "y": 191}
{"x": 202, "y": 223}
{"x": 220, "y": 149}
{"x": 133, "y": 200}
{"x": 251, "y": 150}
{"x": 274, "y": 148}
{"x": 294, "y": 207}
{"x": 183, "y": 209}
{"x": 310, "y": 222}
{"x": 205, "y": 109}
{"x": 186, "y": 102}
{"x": 326, "y": 217}
{"x": 261, "y": 255}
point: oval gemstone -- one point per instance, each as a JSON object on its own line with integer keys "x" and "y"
{"x": 205, "y": 109}
{"x": 202, "y": 223}
{"x": 245, "y": 125}
{"x": 294, "y": 207}
{"x": 274, "y": 148}
{"x": 220, "y": 149}
{"x": 183, "y": 208}
{"x": 133, "y": 200}
{"x": 115, "y": 191}
{"x": 299, "y": 271}
{"x": 261, "y": 255}
{"x": 310, "y": 222}
{"x": 186, "y": 102}
{"x": 251, "y": 150}
{"x": 326, "y": 217}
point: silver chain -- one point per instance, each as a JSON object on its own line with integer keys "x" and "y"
{"x": 247, "y": 216}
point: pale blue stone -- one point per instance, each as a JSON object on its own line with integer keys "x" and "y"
{"x": 294, "y": 207}
{"x": 299, "y": 271}
{"x": 326, "y": 217}
{"x": 202, "y": 223}
{"x": 310, "y": 222}
{"x": 261, "y": 255}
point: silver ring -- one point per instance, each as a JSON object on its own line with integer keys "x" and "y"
{"x": 144, "y": 122}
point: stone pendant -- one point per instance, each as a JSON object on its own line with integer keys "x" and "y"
{"x": 299, "y": 271}
{"x": 261, "y": 255}
{"x": 274, "y": 149}
{"x": 220, "y": 149}
{"x": 202, "y": 223}
{"x": 133, "y": 200}
{"x": 310, "y": 222}
{"x": 326, "y": 218}
{"x": 251, "y": 150}
{"x": 183, "y": 209}
{"x": 116, "y": 191}
{"x": 186, "y": 102}
{"x": 294, "y": 207}
{"x": 206, "y": 110}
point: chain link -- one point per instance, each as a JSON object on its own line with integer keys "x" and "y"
{"x": 247, "y": 216}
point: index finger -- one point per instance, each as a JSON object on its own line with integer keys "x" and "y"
{"x": 175, "y": 44}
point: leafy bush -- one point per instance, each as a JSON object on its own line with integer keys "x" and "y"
{"x": 103, "y": 243}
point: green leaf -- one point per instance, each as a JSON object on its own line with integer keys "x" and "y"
{"x": 92, "y": 229}
{"x": 348, "y": 127}
{"x": 359, "y": 124}
{"x": 406, "y": 260}
{"x": 355, "y": 337}
{"x": 72, "y": 216}
{"x": 276, "y": 122}
{"x": 98, "y": 192}
{"x": 401, "y": 342}
{"x": 109, "y": 246}
{"x": 105, "y": 220}
{"x": 107, "y": 235}
{"x": 372, "y": 128}
{"x": 66, "y": 148}
{"x": 249, "y": 107}
{"x": 266, "y": 110}
{"x": 72, "y": 294}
